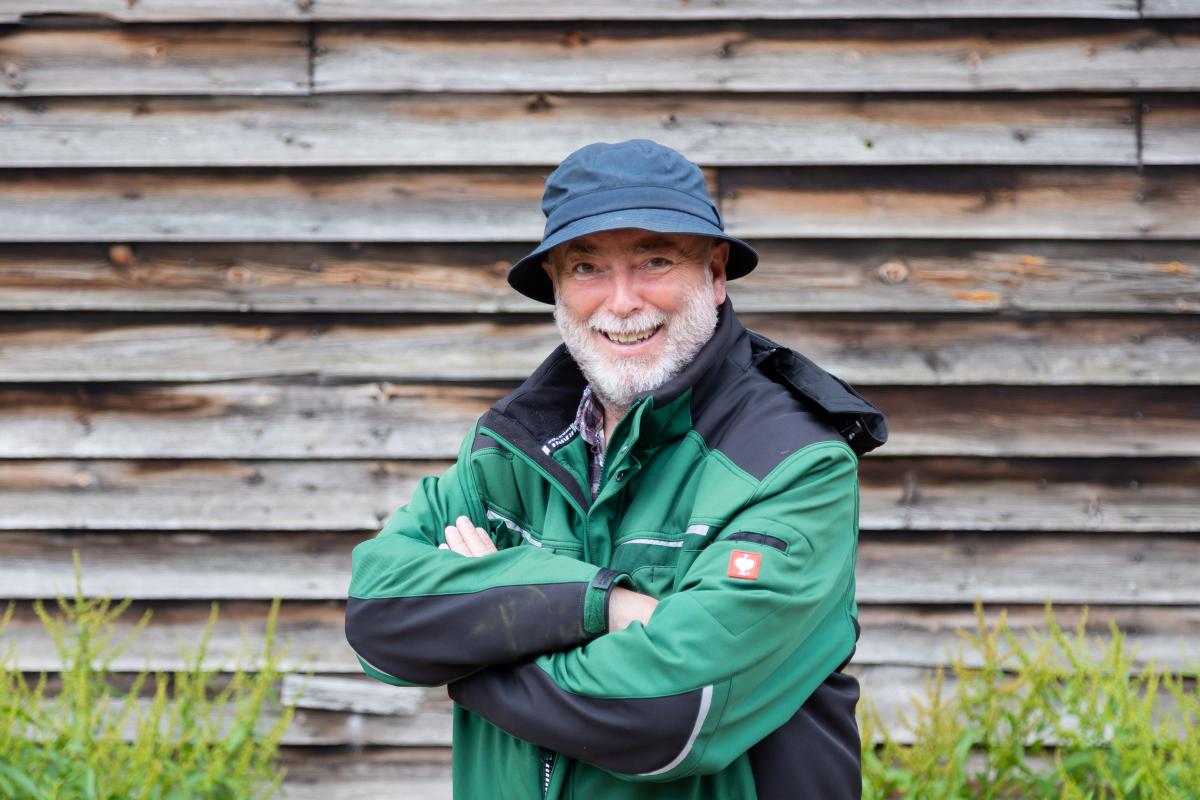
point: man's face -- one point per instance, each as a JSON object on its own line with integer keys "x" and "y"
{"x": 634, "y": 306}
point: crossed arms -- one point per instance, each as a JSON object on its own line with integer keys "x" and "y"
{"x": 550, "y": 649}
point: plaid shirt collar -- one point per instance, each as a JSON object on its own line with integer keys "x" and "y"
{"x": 589, "y": 419}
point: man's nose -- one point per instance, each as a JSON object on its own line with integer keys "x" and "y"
{"x": 624, "y": 296}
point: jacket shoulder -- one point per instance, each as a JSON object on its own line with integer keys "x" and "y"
{"x": 757, "y": 422}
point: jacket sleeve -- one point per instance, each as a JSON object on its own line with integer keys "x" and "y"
{"x": 417, "y": 615}
{"x": 722, "y": 662}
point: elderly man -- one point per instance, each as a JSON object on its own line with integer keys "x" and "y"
{"x": 638, "y": 577}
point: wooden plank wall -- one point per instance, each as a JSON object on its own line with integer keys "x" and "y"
{"x": 251, "y": 287}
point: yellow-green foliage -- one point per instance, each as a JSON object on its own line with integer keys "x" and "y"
{"x": 180, "y": 735}
{"x": 1052, "y": 715}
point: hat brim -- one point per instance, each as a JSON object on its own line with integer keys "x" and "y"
{"x": 529, "y": 278}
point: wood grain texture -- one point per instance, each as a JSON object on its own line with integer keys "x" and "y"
{"x": 458, "y": 10}
{"x": 539, "y": 129}
{"x": 373, "y": 774}
{"x": 984, "y": 202}
{"x": 890, "y": 275}
{"x": 808, "y": 57}
{"x": 1170, "y": 8}
{"x": 1171, "y": 129}
{"x": 928, "y": 350}
{"x": 255, "y": 420}
{"x": 311, "y": 634}
{"x": 206, "y": 495}
{"x": 215, "y": 59}
{"x": 893, "y": 567}
{"x": 501, "y": 205}
{"x": 936, "y": 495}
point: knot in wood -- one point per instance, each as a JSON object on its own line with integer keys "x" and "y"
{"x": 120, "y": 255}
{"x": 574, "y": 39}
{"x": 539, "y": 103}
{"x": 893, "y": 272}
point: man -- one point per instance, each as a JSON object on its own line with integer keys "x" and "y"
{"x": 637, "y": 580}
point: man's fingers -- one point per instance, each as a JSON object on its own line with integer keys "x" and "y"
{"x": 477, "y": 539}
{"x": 454, "y": 538}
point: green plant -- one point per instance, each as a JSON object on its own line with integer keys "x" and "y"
{"x": 1055, "y": 715}
{"x": 193, "y": 733}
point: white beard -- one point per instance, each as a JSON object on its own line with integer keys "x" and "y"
{"x": 617, "y": 379}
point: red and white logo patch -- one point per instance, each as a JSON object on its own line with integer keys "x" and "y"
{"x": 744, "y": 564}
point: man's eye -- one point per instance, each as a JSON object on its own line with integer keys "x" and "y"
{"x": 583, "y": 268}
{"x": 658, "y": 262}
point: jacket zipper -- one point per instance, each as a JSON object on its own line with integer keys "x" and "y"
{"x": 548, "y": 757}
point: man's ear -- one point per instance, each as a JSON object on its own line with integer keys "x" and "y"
{"x": 716, "y": 263}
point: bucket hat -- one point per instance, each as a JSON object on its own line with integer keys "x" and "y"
{"x": 634, "y": 184}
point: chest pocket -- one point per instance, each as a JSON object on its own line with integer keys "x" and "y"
{"x": 651, "y": 559}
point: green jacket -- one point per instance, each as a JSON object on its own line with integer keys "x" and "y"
{"x": 731, "y": 494}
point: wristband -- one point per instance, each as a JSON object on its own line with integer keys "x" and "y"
{"x": 595, "y": 600}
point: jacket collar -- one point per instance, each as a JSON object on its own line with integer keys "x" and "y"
{"x": 544, "y": 406}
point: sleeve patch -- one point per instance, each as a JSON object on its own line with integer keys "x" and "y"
{"x": 744, "y": 564}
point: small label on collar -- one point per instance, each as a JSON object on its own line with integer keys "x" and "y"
{"x": 744, "y": 564}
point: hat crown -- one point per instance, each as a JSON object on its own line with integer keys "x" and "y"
{"x": 631, "y": 164}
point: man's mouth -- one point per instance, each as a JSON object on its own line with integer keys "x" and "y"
{"x": 635, "y": 337}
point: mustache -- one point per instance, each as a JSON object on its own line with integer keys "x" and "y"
{"x": 611, "y": 323}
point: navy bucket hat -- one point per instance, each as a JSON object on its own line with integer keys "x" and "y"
{"x": 634, "y": 184}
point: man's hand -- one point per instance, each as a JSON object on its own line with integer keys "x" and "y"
{"x": 467, "y": 540}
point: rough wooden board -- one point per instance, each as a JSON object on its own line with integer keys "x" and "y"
{"x": 1170, "y": 8}
{"x": 362, "y": 776}
{"x": 1171, "y": 129}
{"x": 920, "y": 495}
{"x": 455, "y": 205}
{"x": 541, "y": 130}
{"x": 868, "y": 351}
{"x": 459, "y": 10}
{"x": 211, "y": 59}
{"x": 206, "y": 495}
{"x": 312, "y": 637}
{"x": 254, "y": 420}
{"x": 355, "y": 779}
{"x": 376, "y": 205}
{"x": 816, "y": 57}
{"x": 893, "y": 567}
{"x": 815, "y": 275}
{"x": 984, "y": 202}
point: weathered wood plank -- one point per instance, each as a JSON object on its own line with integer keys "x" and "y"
{"x": 1171, "y": 129}
{"x": 365, "y": 774}
{"x": 312, "y": 638}
{"x": 218, "y": 59}
{"x": 868, "y": 351}
{"x": 395, "y": 421}
{"x": 933, "y": 495}
{"x": 984, "y": 202}
{"x": 522, "y": 10}
{"x": 996, "y": 567}
{"x": 445, "y": 130}
{"x": 206, "y": 495}
{"x": 1170, "y": 8}
{"x": 814, "y": 57}
{"x": 502, "y": 204}
{"x": 890, "y": 275}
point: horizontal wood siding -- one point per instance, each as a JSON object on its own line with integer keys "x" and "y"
{"x": 252, "y": 262}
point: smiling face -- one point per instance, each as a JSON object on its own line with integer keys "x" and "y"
{"x": 634, "y": 307}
